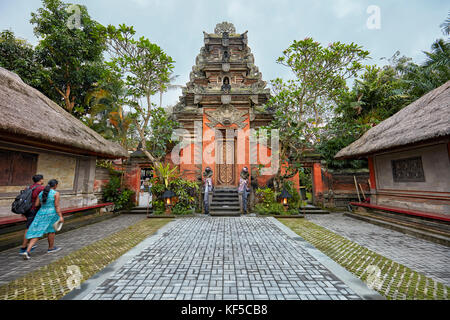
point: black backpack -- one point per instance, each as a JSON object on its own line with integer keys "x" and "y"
{"x": 23, "y": 202}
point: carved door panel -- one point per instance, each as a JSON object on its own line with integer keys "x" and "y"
{"x": 225, "y": 161}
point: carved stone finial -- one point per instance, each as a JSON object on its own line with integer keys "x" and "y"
{"x": 224, "y": 27}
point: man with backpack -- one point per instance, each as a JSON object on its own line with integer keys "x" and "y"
{"x": 36, "y": 188}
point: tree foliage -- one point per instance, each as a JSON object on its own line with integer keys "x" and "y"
{"x": 144, "y": 69}
{"x": 72, "y": 56}
{"x": 301, "y": 105}
{"x": 18, "y": 56}
{"x": 377, "y": 95}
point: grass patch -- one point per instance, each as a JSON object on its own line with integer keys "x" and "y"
{"x": 395, "y": 281}
{"x": 50, "y": 282}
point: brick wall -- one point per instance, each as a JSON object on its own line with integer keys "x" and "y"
{"x": 339, "y": 187}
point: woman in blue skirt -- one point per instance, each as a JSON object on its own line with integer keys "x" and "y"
{"x": 48, "y": 214}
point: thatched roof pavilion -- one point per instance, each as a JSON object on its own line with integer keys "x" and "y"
{"x": 426, "y": 119}
{"x": 28, "y": 117}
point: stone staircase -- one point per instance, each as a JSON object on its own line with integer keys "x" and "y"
{"x": 140, "y": 210}
{"x": 428, "y": 229}
{"x": 310, "y": 209}
{"x": 225, "y": 203}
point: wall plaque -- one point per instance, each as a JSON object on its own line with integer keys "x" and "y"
{"x": 408, "y": 170}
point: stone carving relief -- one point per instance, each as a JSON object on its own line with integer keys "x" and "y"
{"x": 198, "y": 98}
{"x": 224, "y": 27}
{"x": 226, "y": 116}
{"x": 203, "y": 83}
{"x": 225, "y": 39}
{"x": 226, "y": 99}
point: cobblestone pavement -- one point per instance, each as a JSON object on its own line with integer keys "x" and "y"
{"x": 428, "y": 258}
{"x": 12, "y": 265}
{"x": 223, "y": 258}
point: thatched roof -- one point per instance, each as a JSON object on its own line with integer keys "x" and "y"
{"x": 426, "y": 119}
{"x": 29, "y": 116}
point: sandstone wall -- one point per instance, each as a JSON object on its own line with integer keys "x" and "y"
{"x": 76, "y": 175}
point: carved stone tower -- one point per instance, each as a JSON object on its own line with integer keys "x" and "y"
{"x": 224, "y": 98}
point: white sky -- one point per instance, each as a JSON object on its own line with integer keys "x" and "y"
{"x": 176, "y": 25}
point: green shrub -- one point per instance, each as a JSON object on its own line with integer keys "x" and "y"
{"x": 158, "y": 207}
{"x": 267, "y": 201}
{"x": 187, "y": 193}
{"x": 122, "y": 197}
{"x": 296, "y": 201}
{"x": 180, "y": 209}
{"x": 272, "y": 208}
{"x": 266, "y": 196}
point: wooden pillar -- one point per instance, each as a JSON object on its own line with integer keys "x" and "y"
{"x": 373, "y": 181}
{"x": 317, "y": 180}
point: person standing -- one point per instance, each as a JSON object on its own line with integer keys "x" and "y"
{"x": 37, "y": 187}
{"x": 243, "y": 189}
{"x": 48, "y": 214}
{"x": 208, "y": 185}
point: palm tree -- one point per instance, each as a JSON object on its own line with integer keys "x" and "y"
{"x": 445, "y": 26}
{"x": 168, "y": 86}
{"x": 439, "y": 56}
{"x": 107, "y": 116}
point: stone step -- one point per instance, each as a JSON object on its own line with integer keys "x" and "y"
{"x": 435, "y": 224}
{"x": 224, "y": 208}
{"x": 230, "y": 205}
{"x": 222, "y": 202}
{"x": 226, "y": 198}
{"x": 138, "y": 210}
{"x": 301, "y": 211}
{"x": 225, "y": 202}
{"x": 413, "y": 229}
{"x": 225, "y": 189}
{"x": 309, "y": 207}
{"x": 225, "y": 213}
{"x": 226, "y": 194}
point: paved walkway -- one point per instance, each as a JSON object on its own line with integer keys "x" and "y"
{"x": 223, "y": 258}
{"x": 12, "y": 265}
{"x": 428, "y": 258}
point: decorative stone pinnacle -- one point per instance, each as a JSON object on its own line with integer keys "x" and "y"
{"x": 224, "y": 27}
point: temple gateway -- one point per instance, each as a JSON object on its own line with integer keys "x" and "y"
{"x": 219, "y": 106}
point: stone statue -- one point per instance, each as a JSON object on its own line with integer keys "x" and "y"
{"x": 243, "y": 189}
{"x": 226, "y": 87}
{"x": 226, "y": 56}
{"x": 208, "y": 188}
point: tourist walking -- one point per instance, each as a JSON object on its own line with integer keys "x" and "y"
{"x": 36, "y": 188}
{"x": 208, "y": 188}
{"x": 48, "y": 214}
{"x": 243, "y": 189}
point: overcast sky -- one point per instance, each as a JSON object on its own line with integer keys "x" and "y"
{"x": 176, "y": 25}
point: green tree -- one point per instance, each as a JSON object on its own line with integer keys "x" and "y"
{"x": 107, "y": 114}
{"x": 301, "y": 105}
{"x": 72, "y": 55}
{"x": 159, "y": 137}
{"x": 445, "y": 26}
{"x": 18, "y": 56}
{"x": 167, "y": 86}
{"x": 145, "y": 69}
{"x": 376, "y": 95}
